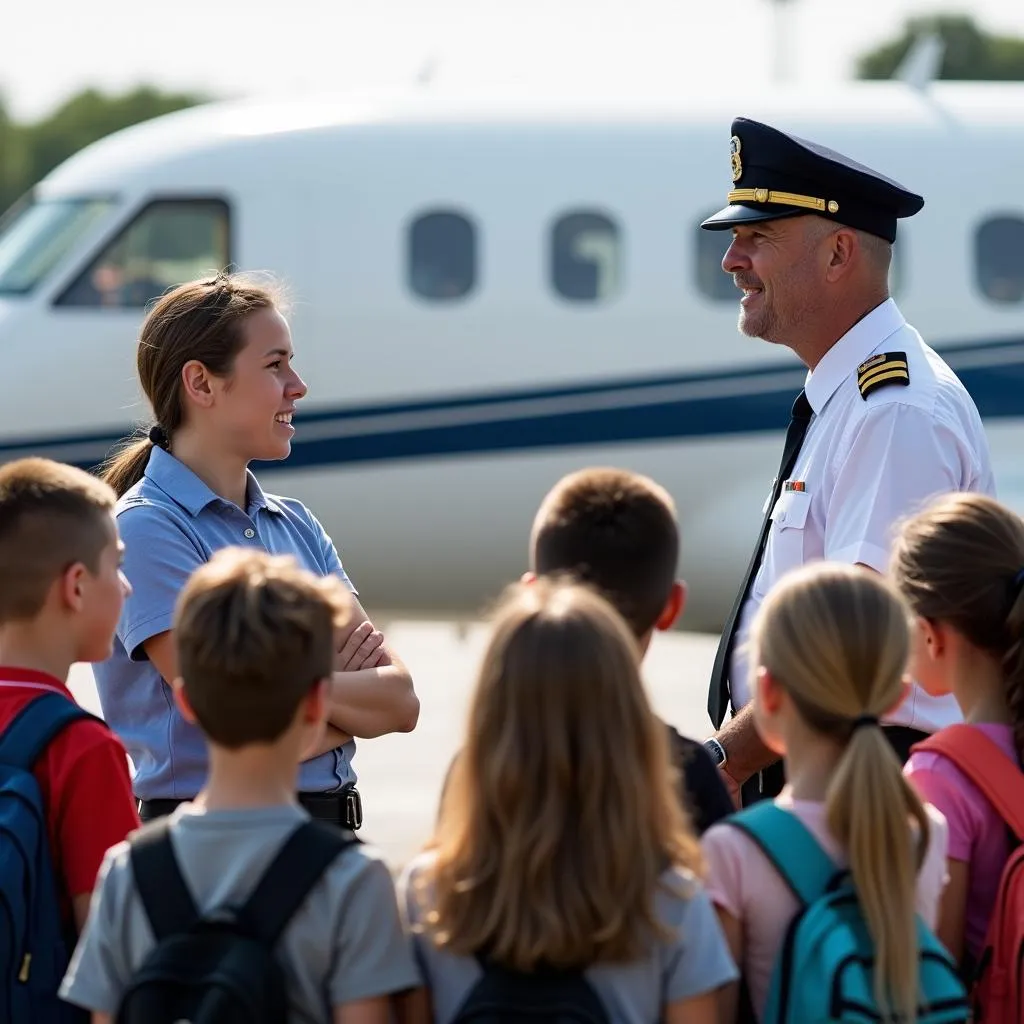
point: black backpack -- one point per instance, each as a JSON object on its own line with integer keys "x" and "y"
{"x": 502, "y": 996}
{"x": 219, "y": 968}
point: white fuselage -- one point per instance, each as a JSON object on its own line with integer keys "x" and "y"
{"x": 433, "y": 428}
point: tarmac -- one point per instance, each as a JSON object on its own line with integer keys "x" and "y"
{"x": 400, "y": 776}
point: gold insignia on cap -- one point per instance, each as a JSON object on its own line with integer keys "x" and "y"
{"x": 767, "y": 195}
{"x": 833, "y": 206}
{"x": 737, "y": 164}
{"x": 882, "y": 370}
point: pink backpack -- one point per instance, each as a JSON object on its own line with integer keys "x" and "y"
{"x": 998, "y": 989}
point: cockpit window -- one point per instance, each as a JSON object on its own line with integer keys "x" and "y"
{"x": 36, "y": 237}
{"x": 168, "y": 243}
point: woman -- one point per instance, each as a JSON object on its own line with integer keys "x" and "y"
{"x": 215, "y": 361}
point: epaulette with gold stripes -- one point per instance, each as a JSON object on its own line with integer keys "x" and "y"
{"x": 882, "y": 370}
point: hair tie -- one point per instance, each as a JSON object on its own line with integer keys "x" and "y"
{"x": 864, "y": 720}
{"x": 158, "y": 436}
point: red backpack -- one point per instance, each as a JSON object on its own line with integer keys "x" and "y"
{"x": 998, "y": 990}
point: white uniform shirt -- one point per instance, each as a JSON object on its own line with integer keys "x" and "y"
{"x": 865, "y": 464}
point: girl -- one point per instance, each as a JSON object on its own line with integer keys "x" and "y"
{"x": 960, "y": 564}
{"x": 829, "y": 648}
{"x": 560, "y": 842}
{"x": 215, "y": 362}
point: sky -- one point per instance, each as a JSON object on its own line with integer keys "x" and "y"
{"x": 49, "y": 50}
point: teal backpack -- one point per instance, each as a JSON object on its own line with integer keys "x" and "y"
{"x": 824, "y": 971}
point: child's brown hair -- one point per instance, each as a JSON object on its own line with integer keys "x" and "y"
{"x": 561, "y": 814}
{"x": 961, "y": 561}
{"x": 615, "y": 530}
{"x": 255, "y": 633}
{"x": 52, "y": 516}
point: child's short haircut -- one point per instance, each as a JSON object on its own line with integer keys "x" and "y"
{"x": 52, "y": 516}
{"x": 615, "y": 530}
{"x": 255, "y": 633}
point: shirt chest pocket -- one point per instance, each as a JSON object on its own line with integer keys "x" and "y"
{"x": 786, "y": 539}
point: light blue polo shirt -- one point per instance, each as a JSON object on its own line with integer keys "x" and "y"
{"x": 171, "y": 523}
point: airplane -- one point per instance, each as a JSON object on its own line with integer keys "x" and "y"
{"x": 489, "y": 290}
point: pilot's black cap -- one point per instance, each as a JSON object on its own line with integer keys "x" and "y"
{"x": 778, "y": 175}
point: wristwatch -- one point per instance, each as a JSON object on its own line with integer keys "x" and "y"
{"x": 716, "y": 750}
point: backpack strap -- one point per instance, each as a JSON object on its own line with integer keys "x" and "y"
{"x": 983, "y": 762}
{"x": 30, "y": 731}
{"x": 165, "y": 896}
{"x": 300, "y": 862}
{"x": 790, "y": 848}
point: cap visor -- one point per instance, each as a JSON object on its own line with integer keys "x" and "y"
{"x": 738, "y": 214}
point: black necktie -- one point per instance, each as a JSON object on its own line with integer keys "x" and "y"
{"x": 718, "y": 695}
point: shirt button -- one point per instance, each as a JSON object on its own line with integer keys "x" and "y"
{"x": 250, "y": 533}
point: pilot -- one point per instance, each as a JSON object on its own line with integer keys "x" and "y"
{"x": 881, "y": 424}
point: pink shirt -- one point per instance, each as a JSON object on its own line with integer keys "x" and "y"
{"x": 977, "y": 834}
{"x": 741, "y": 881}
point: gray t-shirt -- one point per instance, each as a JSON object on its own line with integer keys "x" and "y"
{"x": 344, "y": 943}
{"x": 695, "y": 961}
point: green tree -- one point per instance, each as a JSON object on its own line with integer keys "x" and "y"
{"x": 28, "y": 152}
{"x": 970, "y": 54}
{"x": 14, "y": 160}
{"x": 89, "y": 116}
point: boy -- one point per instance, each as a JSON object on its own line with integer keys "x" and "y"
{"x": 61, "y": 592}
{"x": 617, "y": 531}
{"x": 255, "y": 639}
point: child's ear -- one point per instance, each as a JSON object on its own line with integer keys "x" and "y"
{"x": 528, "y": 578}
{"x": 71, "y": 587}
{"x": 181, "y": 699}
{"x": 934, "y": 637}
{"x": 673, "y": 607}
{"x": 316, "y": 703}
{"x": 769, "y": 693}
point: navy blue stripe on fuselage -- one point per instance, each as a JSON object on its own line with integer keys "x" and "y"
{"x": 663, "y": 408}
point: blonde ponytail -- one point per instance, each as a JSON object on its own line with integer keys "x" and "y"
{"x": 868, "y": 806}
{"x": 837, "y": 639}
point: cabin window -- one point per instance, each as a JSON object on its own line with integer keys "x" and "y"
{"x": 442, "y": 256}
{"x": 713, "y": 282}
{"x": 38, "y": 234}
{"x": 168, "y": 243}
{"x": 999, "y": 258}
{"x": 586, "y": 257}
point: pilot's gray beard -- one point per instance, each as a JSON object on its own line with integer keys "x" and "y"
{"x": 757, "y": 325}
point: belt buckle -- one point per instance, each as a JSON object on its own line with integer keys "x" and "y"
{"x": 353, "y": 809}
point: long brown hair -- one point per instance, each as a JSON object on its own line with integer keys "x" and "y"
{"x": 561, "y": 813}
{"x": 961, "y": 561}
{"x": 201, "y": 320}
{"x": 836, "y": 638}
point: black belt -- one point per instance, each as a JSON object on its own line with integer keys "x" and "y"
{"x": 343, "y": 808}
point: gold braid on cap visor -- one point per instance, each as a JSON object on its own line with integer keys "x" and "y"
{"x": 765, "y": 195}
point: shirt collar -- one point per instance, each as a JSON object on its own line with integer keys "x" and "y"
{"x": 176, "y": 480}
{"x": 257, "y": 499}
{"x": 30, "y": 677}
{"x": 850, "y": 351}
